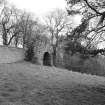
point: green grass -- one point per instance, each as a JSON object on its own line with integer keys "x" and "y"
{"x": 28, "y": 84}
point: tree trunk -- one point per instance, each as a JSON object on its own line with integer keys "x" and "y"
{"x": 4, "y": 36}
{"x": 55, "y": 51}
{"x": 54, "y": 55}
{"x": 16, "y": 41}
{"x": 5, "y": 40}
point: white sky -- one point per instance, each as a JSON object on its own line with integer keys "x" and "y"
{"x": 39, "y": 7}
{"x": 42, "y": 7}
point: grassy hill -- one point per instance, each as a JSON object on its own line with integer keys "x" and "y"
{"x": 24, "y": 83}
{"x": 11, "y": 54}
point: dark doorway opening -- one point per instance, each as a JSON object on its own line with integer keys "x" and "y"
{"x": 47, "y": 59}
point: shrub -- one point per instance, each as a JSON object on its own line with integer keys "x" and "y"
{"x": 29, "y": 54}
{"x": 89, "y": 65}
{"x": 84, "y": 56}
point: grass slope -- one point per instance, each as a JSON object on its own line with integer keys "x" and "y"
{"x": 11, "y": 54}
{"x": 27, "y": 84}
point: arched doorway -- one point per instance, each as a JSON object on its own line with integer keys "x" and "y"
{"x": 47, "y": 59}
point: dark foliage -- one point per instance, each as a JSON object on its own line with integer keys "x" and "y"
{"x": 84, "y": 56}
{"x": 78, "y": 32}
{"x": 73, "y": 12}
{"x": 29, "y": 54}
{"x": 96, "y": 52}
{"x": 75, "y": 47}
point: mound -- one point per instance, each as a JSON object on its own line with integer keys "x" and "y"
{"x": 11, "y": 54}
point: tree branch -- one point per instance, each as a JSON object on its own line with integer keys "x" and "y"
{"x": 92, "y": 8}
{"x": 11, "y": 38}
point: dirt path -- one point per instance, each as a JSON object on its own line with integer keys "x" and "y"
{"x": 28, "y": 84}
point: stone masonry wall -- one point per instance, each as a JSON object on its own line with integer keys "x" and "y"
{"x": 39, "y": 50}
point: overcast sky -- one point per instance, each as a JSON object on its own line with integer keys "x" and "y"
{"x": 39, "y": 7}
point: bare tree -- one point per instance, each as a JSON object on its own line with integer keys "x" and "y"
{"x": 56, "y": 22}
{"x": 9, "y": 24}
{"x": 26, "y": 24}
